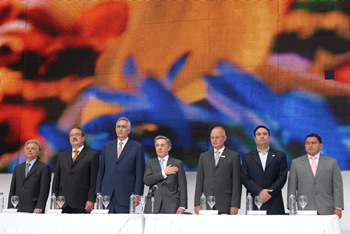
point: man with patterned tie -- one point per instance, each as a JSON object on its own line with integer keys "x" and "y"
{"x": 168, "y": 174}
{"x": 264, "y": 172}
{"x": 219, "y": 174}
{"x": 121, "y": 169}
{"x": 76, "y": 174}
{"x": 31, "y": 181}
{"x": 318, "y": 177}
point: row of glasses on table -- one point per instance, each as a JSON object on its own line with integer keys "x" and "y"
{"x": 301, "y": 199}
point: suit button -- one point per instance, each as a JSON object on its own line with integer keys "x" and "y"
{"x": 22, "y": 188}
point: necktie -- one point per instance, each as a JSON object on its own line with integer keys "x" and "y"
{"x": 27, "y": 169}
{"x": 161, "y": 161}
{"x": 75, "y": 154}
{"x": 120, "y": 148}
{"x": 313, "y": 164}
{"x": 217, "y": 156}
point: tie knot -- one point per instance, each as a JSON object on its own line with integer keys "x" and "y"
{"x": 120, "y": 143}
{"x": 28, "y": 164}
{"x": 76, "y": 151}
{"x": 313, "y": 158}
{"x": 217, "y": 152}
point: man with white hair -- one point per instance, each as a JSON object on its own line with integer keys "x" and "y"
{"x": 31, "y": 181}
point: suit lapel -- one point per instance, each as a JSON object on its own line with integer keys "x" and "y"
{"x": 32, "y": 169}
{"x": 80, "y": 156}
{"x": 211, "y": 158}
{"x": 256, "y": 158}
{"x": 270, "y": 157}
{"x": 68, "y": 157}
{"x": 307, "y": 166}
{"x": 322, "y": 161}
{"x": 125, "y": 150}
{"x": 222, "y": 157}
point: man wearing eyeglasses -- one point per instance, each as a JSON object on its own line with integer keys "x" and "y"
{"x": 76, "y": 174}
{"x": 218, "y": 175}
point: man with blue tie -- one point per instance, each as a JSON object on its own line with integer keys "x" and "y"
{"x": 31, "y": 181}
{"x": 167, "y": 174}
{"x": 121, "y": 169}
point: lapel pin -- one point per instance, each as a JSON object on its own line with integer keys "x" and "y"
{"x": 222, "y": 156}
{"x": 273, "y": 155}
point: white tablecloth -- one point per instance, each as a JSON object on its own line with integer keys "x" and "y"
{"x": 23, "y": 223}
{"x": 215, "y": 224}
{"x": 165, "y": 224}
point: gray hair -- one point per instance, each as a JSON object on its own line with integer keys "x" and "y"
{"x": 126, "y": 119}
{"x": 168, "y": 141}
{"x": 35, "y": 142}
{"x": 220, "y": 127}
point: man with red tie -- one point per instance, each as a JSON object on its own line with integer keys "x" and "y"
{"x": 121, "y": 169}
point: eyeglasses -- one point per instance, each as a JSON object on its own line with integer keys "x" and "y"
{"x": 74, "y": 135}
{"x": 216, "y": 138}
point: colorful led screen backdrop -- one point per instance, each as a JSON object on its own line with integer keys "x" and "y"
{"x": 174, "y": 68}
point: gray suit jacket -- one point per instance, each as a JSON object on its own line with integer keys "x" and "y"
{"x": 32, "y": 190}
{"x": 324, "y": 191}
{"x": 223, "y": 181}
{"x": 172, "y": 191}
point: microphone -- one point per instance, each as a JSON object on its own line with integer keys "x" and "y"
{"x": 151, "y": 191}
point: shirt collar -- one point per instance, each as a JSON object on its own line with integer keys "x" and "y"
{"x": 79, "y": 149}
{"x": 317, "y": 155}
{"x": 220, "y": 150}
{"x": 32, "y": 162}
{"x": 259, "y": 151}
{"x": 165, "y": 158}
{"x": 124, "y": 141}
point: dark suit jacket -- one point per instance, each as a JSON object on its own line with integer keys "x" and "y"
{"x": 32, "y": 190}
{"x": 76, "y": 180}
{"x": 172, "y": 191}
{"x": 121, "y": 176}
{"x": 274, "y": 177}
{"x": 324, "y": 191}
{"x": 222, "y": 181}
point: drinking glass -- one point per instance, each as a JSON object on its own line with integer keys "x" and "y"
{"x": 211, "y": 201}
{"x": 60, "y": 201}
{"x": 258, "y": 201}
{"x": 142, "y": 202}
{"x": 15, "y": 200}
{"x": 105, "y": 201}
{"x": 302, "y": 201}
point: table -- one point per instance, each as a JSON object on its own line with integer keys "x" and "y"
{"x": 271, "y": 224}
{"x": 70, "y": 223}
{"x": 162, "y": 223}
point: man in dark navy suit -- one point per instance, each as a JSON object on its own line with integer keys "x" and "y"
{"x": 264, "y": 172}
{"x": 121, "y": 169}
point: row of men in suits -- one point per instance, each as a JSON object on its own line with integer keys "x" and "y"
{"x": 79, "y": 175}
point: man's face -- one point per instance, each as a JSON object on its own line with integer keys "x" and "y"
{"x": 162, "y": 148}
{"x": 217, "y": 138}
{"x": 122, "y": 130}
{"x": 75, "y": 138}
{"x": 312, "y": 146}
{"x": 262, "y": 137}
{"x": 31, "y": 152}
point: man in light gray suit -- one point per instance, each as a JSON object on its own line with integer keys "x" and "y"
{"x": 318, "y": 177}
{"x": 166, "y": 179}
{"x": 219, "y": 174}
